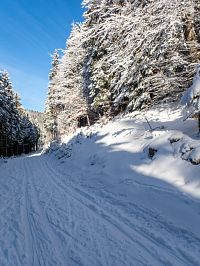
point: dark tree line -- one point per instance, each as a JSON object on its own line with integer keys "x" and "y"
{"x": 17, "y": 134}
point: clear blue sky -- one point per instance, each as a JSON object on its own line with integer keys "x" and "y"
{"x": 30, "y": 30}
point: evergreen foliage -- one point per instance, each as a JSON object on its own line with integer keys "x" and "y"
{"x": 50, "y": 105}
{"x": 126, "y": 55}
{"x": 141, "y": 52}
{"x": 17, "y": 133}
{"x": 37, "y": 118}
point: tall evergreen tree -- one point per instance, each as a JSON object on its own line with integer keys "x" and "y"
{"x": 71, "y": 96}
{"x": 51, "y": 105}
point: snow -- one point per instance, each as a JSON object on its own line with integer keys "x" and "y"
{"x": 2, "y": 160}
{"x": 195, "y": 156}
{"x": 191, "y": 96}
{"x": 98, "y": 199}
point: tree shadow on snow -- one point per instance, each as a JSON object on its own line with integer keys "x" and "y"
{"x": 121, "y": 179}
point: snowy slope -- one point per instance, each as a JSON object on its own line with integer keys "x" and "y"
{"x": 100, "y": 200}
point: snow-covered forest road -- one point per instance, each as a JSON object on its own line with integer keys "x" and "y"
{"x": 46, "y": 221}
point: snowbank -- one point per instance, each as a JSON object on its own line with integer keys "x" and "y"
{"x": 171, "y": 141}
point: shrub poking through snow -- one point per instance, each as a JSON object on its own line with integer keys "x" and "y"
{"x": 151, "y": 152}
{"x": 175, "y": 137}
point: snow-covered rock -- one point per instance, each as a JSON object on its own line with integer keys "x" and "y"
{"x": 194, "y": 156}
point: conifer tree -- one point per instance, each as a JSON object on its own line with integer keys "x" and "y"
{"x": 18, "y": 105}
{"x": 50, "y": 105}
{"x": 72, "y": 101}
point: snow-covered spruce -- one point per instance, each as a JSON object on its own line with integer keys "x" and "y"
{"x": 50, "y": 119}
{"x": 126, "y": 55}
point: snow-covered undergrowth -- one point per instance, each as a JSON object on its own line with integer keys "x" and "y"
{"x": 64, "y": 149}
{"x": 129, "y": 141}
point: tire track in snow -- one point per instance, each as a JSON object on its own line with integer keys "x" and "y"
{"x": 58, "y": 217}
{"x": 178, "y": 255}
{"x": 114, "y": 222}
{"x": 62, "y": 216}
{"x": 60, "y": 224}
{"x": 84, "y": 246}
{"x": 41, "y": 241}
{"x": 11, "y": 232}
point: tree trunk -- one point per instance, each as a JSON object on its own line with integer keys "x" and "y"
{"x": 88, "y": 120}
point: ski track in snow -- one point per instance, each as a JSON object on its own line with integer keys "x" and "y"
{"x": 47, "y": 220}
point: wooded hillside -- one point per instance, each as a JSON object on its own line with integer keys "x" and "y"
{"x": 126, "y": 55}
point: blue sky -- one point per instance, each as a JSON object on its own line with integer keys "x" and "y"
{"x": 30, "y": 30}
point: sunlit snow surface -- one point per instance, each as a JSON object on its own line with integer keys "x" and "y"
{"x": 100, "y": 200}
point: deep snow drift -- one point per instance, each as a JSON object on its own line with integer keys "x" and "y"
{"x": 102, "y": 199}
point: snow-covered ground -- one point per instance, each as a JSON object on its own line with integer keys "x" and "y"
{"x": 100, "y": 199}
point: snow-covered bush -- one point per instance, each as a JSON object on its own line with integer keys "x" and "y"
{"x": 64, "y": 150}
{"x": 185, "y": 147}
{"x": 191, "y": 98}
{"x": 175, "y": 137}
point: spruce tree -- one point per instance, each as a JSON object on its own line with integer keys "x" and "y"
{"x": 51, "y": 105}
